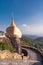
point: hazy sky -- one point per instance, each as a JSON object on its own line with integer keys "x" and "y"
{"x": 28, "y": 15}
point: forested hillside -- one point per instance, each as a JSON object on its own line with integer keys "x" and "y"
{"x": 40, "y": 40}
{"x": 32, "y": 43}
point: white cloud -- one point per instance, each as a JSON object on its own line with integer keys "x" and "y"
{"x": 24, "y": 25}
{"x": 33, "y": 30}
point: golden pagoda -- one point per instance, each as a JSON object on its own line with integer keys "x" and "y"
{"x": 13, "y": 30}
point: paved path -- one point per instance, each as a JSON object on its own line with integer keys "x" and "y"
{"x": 33, "y": 54}
{"x": 34, "y": 57}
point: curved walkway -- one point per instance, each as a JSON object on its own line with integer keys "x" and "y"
{"x": 34, "y": 56}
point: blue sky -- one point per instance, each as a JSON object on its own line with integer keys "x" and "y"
{"x": 28, "y": 15}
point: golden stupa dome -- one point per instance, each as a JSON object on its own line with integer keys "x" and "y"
{"x": 13, "y": 30}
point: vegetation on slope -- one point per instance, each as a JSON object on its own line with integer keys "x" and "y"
{"x": 40, "y": 40}
{"x": 32, "y": 43}
{"x": 5, "y": 46}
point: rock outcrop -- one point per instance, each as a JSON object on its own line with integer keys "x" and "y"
{"x": 7, "y": 55}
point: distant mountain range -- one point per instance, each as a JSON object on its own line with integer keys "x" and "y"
{"x": 32, "y": 36}
{"x": 35, "y": 38}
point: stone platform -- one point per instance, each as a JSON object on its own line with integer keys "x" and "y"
{"x": 19, "y": 62}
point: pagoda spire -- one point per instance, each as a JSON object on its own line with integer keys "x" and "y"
{"x": 12, "y": 23}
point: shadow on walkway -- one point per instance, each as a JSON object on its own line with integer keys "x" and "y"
{"x": 38, "y": 63}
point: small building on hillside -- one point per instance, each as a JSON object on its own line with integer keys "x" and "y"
{"x": 1, "y": 33}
